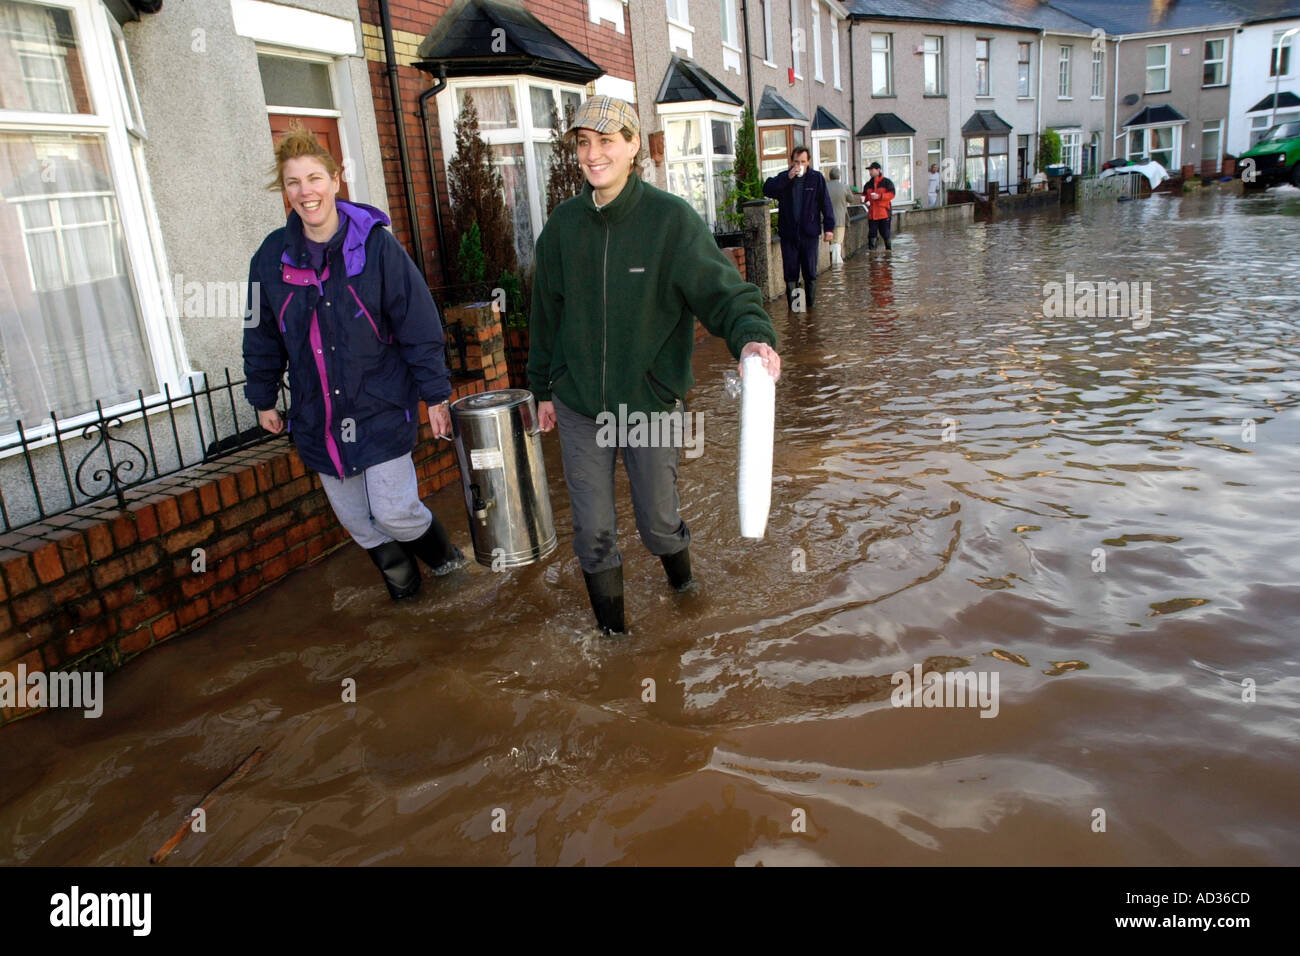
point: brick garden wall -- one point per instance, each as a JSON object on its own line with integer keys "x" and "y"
{"x": 93, "y": 588}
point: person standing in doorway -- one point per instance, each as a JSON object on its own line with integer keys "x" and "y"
{"x": 841, "y": 195}
{"x": 622, "y": 271}
{"x": 879, "y": 192}
{"x": 935, "y": 186}
{"x": 804, "y": 218}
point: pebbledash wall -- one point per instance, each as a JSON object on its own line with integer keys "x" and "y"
{"x": 93, "y": 588}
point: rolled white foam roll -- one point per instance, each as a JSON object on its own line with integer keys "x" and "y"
{"x": 757, "y": 424}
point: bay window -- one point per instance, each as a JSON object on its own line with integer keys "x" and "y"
{"x": 515, "y": 116}
{"x": 81, "y": 305}
{"x": 986, "y": 163}
{"x": 894, "y": 154}
{"x": 699, "y": 152}
{"x": 1160, "y": 143}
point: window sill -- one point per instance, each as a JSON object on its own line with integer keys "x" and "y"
{"x": 884, "y": 96}
{"x": 1155, "y": 92}
{"x": 1028, "y": 99}
{"x": 934, "y": 96}
{"x": 985, "y": 96}
{"x": 1096, "y": 97}
{"x": 1213, "y": 86}
{"x": 678, "y": 23}
{"x": 1065, "y": 99}
{"x": 771, "y": 64}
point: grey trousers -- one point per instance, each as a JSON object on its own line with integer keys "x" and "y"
{"x": 380, "y": 504}
{"x": 589, "y": 473}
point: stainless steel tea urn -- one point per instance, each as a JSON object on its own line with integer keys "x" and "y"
{"x": 499, "y": 447}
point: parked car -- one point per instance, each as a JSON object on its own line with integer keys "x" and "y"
{"x": 1274, "y": 159}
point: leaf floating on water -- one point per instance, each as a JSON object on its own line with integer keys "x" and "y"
{"x": 1009, "y": 657}
{"x": 1022, "y": 528}
{"x": 1134, "y": 538}
{"x": 1176, "y": 605}
{"x": 1060, "y": 667}
{"x": 995, "y": 584}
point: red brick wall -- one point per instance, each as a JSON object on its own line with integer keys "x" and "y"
{"x": 568, "y": 18}
{"x": 92, "y": 588}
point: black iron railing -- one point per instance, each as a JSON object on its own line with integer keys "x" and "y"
{"x": 108, "y": 464}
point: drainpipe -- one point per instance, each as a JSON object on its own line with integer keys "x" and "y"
{"x": 749, "y": 67}
{"x": 428, "y": 94}
{"x": 1114, "y": 106}
{"x": 1038, "y": 107}
{"x": 853, "y": 110}
{"x": 399, "y": 120}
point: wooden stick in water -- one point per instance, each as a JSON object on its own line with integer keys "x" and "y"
{"x": 246, "y": 765}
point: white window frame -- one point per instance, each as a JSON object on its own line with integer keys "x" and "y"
{"x": 115, "y": 121}
{"x": 727, "y": 13}
{"x": 524, "y": 134}
{"x": 680, "y": 7}
{"x": 342, "y": 95}
{"x": 1027, "y": 49}
{"x": 1273, "y": 51}
{"x": 1097, "y": 89}
{"x": 840, "y": 138}
{"x": 1146, "y": 131}
{"x": 1072, "y": 149}
{"x": 987, "y": 60}
{"x": 1221, "y": 59}
{"x": 1149, "y": 69}
{"x": 835, "y": 51}
{"x": 769, "y": 45}
{"x": 1215, "y": 126}
{"x": 863, "y": 159}
{"x": 1064, "y": 70}
{"x": 888, "y": 51}
{"x": 940, "y": 79}
{"x": 723, "y": 112}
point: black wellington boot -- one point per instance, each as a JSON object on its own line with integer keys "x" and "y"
{"x": 435, "y": 549}
{"x": 605, "y": 588}
{"x": 810, "y": 294}
{"x": 678, "y": 567}
{"x": 789, "y": 293}
{"x": 401, "y": 573}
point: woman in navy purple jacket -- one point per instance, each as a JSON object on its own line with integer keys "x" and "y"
{"x": 346, "y": 310}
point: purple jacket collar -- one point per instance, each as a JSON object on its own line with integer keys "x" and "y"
{"x": 361, "y": 219}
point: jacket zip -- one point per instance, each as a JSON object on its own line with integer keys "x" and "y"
{"x": 604, "y": 291}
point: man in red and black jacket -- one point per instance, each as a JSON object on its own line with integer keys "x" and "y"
{"x": 879, "y": 194}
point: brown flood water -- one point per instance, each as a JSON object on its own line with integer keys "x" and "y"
{"x": 1119, "y": 690}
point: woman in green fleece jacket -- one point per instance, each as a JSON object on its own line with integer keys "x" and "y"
{"x": 622, "y": 270}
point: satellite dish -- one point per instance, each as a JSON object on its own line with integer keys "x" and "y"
{"x": 1131, "y": 99}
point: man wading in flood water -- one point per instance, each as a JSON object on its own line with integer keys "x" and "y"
{"x": 623, "y": 269}
{"x": 803, "y": 219}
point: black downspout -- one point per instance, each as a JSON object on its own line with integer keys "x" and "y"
{"x": 399, "y": 120}
{"x": 749, "y": 66}
{"x": 853, "y": 110}
{"x": 437, "y": 88}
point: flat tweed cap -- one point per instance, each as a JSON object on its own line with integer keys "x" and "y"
{"x": 604, "y": 114}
